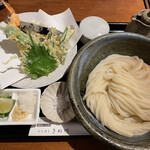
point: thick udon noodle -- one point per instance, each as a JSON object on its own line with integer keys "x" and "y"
{"x": 118, "y": 94}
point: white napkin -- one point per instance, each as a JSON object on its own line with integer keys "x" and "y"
{"x": 9, "y": 73}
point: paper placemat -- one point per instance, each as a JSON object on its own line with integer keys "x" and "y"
{"x": 45, "y": 127}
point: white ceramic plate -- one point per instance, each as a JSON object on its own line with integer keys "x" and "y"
{"x": 32, "y": 118}
{"x": 45, "y": 80}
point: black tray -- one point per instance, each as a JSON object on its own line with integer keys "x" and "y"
{"x": 20, "y": 132}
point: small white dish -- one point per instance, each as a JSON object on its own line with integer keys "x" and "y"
{"x": 55, "y": 103}
{"x": 92, "y": 27}
{"x": 31, "y": 119}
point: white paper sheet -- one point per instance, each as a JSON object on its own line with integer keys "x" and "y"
{"x": 9, "y": 77}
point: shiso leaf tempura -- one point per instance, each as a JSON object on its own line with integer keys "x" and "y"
{"x": 37, "y": 61}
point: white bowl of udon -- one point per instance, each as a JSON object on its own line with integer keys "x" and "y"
{"x": 109, "y": 87}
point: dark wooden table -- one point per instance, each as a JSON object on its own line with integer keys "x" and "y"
{"x": 111, "y": 11}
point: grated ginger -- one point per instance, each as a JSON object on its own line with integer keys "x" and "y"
{"x": 18, "y": 114}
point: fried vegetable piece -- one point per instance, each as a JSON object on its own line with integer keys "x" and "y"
{"x": 16, "y": 34}
{"x": 25, "y": 26}
{"x": 14, "y": 18}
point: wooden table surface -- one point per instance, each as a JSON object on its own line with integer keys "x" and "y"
{"x": 111, "y": 11}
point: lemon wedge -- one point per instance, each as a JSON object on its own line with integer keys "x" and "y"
{"x": 6, "y": 105}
